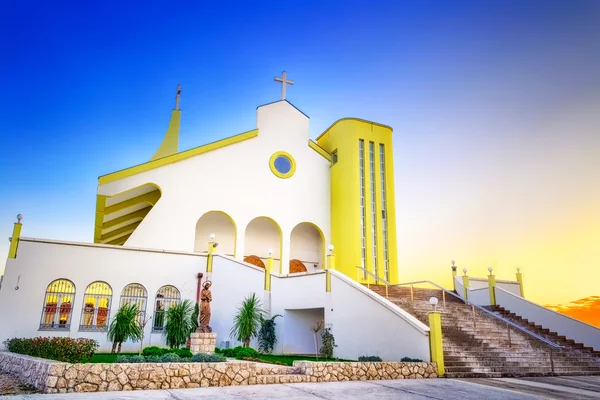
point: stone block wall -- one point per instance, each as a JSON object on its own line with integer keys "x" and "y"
{"x": 58, "y": 377}
{"x": 365, "y": 371}
{"x": 203, "y": 343}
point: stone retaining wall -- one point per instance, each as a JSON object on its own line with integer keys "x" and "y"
{"x": 58, "y": 377}
{"x": 365, "y": 371}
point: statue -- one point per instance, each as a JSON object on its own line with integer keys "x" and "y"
{"x": 204, "y": 317}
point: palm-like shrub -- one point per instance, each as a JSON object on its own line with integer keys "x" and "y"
{"x": 124, "y": 326}
{"x": 266, "y": 336}
{"x": 179, "y": 323}
{"x": 246, "y": 322}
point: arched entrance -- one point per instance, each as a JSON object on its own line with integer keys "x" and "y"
{"x": 307, "y": 248}
{"x": 263, "y": 234}
{"x": 222, "y": 226}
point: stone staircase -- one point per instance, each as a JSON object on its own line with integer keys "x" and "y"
{"x": 541, "y": 331}
{"x": 478, "y": 345}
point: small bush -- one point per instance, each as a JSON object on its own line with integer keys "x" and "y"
{"x": 408, "y": 359}
{"x": 57, "y": 348}
{"x": 130, "y": 359}
{"x": 154, "y": 359}
{"x": 369, "y": 358}
{"x": 218, "y": 350}
{"x": 183, "y": 353}
{"x": 246, "y": 352}
{"x": 208, "y": 358}
{"x": 231, "y": 352}
{"x": 328, "y": 344}
{"x": 153, "y": 351}
{"x": 170, "y": 357}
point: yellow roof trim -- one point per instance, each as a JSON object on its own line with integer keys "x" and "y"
{"x": 124, "y": 173}
{"x": 170, "y": 143}
{"x": 353, "y": 119}
{"x": 320, "y": 150}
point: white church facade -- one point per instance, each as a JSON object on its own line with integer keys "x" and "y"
{"x": 316, "y": 217}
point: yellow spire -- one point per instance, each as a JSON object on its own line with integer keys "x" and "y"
{"x": 170, "y": 144}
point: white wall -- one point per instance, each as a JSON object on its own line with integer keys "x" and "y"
{"x": 477, "y": 283}
{"x": 38, "y": 263}
{"x": 511, "y": 287}
{"x": 262, "y": 235}
{"x": 366, "y": 324}
{"x": 556, "y": 322}
{"x": 480, "y": 297}
{"x": 458, "y": 284}
{"x": 244, "y": 186}
{"x": 220, "y": 225}
{"x": 307, "y": 246}
{"x": 298, "y": 337}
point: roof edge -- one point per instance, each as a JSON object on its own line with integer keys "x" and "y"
{"x": 354, "y": 119}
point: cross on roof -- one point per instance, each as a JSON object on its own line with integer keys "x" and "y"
{"x": 284, "y": 82}
{"x": 177, "y": 97}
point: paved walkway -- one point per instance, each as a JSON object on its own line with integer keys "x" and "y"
{"x": 581, "y": 388}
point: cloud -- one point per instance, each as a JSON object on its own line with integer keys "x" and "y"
{"x": 586, "y": 310}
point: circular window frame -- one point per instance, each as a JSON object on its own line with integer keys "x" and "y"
{"x": 274, "y": 170}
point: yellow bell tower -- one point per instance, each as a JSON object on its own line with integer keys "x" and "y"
{"x": 363, "y": 217}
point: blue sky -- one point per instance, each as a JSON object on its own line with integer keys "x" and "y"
{"x": 493, "y": 104}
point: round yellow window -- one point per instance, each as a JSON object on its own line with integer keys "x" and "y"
{"x": 282, "y": 164}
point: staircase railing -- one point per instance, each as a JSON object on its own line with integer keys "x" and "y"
{"x": 377, "y": 280}
{"x": 445, "y": 291}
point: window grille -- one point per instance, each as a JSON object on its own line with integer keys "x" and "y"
{"x": 134, "y": 293}
{"x": 373, "y": 207}
{"x": 363, "y": 228}
{"x": 166, "y": 297}
{"x": 384, "y": 227}
{"x": 58, "y": 305}
{"x": 96, "y": 307}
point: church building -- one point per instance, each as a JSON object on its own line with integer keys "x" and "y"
{"x": 302, "y": 223}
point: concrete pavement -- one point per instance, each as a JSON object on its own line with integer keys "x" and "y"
{"x": 441, "y": 389}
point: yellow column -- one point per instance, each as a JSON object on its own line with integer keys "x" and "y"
{"x": 453, "y": 274}
{"x": 435, "y": 341}
{"x": 212, "y": 245}
{"x": 520, "y": 280}
{"x": 268, "y": 269}
{"x": 329, "y": 266}
{"x": 14, "y": 240}
{"x": 466, "y": 283}
{"x": 492, "y": 286}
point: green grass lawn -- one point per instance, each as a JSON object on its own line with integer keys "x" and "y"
{"x": 285, "y": 359}
{"x": 289, "y": 359}
{"x": 108, "y": 357}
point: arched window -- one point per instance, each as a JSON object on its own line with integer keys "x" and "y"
{"x": 58, "y": 305}
{"x": 134, "y": 293}
{"x": 166, "y": 297}
{"x": 96, "y": 306}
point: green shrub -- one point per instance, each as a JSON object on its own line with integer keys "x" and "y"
{"x": 408, "y": 359}
{"x": 266, "y": 335}
{"x": 130, "y": 359}
{"x": 231, "y": 352}
{"x": 369, "y": 358}
{"x": 208, "y": 358}
{"x": 218, "y": 350}
{"x": 57, "y": 348}
{"x": 246, "y": 352}
{"x": 154, "y": 359}
{"x": 184, "y": 352}
{"x": 179, "y": 324}
{"x": 328, "y": 344}
{"x": 154, "y": 351}
{"x": 170, "y": 357}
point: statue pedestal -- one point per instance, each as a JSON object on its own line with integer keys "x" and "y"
{"x": 203, "y": 342}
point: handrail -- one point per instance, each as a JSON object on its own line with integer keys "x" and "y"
{"x": 518, "y": 327}
{"x": 377, "y": 279}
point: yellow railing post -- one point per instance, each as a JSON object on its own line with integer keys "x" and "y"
{"x": 453, "y": 274}
{"x": 492, "y": 286}
{"x": 520, "y": 280}
{"x": 268, "y": 269}
{"x": 212, "y": 245}
{"x": 411, "y": 293}
{"x": 14, "y": 240}
{"x": 329, "y": 265}
{"x": 435, "y": 341}
{"x": 466, "y": 283}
